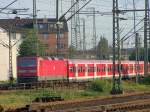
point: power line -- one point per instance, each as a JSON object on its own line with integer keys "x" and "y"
{"x": 8, "y": 5}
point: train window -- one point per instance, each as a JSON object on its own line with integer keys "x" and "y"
{"x": 90, "y": 69}
{"x": 27, "y": 63}
{"x": 98, "y": 69}
{"x": 109, "y": 69}
{"x": 116, "y": 68}
{"x": 131, "y": 67}
{"x": 83, "y": 70}
{"x": 93, "y": 69}
{"x": 72, "y": 69}
{"x": 80, "y": 69}
{"x": 121, "y": 67}
{"x": 103, "y": 69}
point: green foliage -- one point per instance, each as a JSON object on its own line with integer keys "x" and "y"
{"x": 20, "y": 98}
{"x": 102, "y": 48}
{"x": 141, "y": 55}
{"x": 146, "y": 81}
{"x": 31, "y": 45}
{"x": 100, "y": 85}
{"x": 72, "y": 52}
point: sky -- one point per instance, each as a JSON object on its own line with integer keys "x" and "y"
{"x": 46, "y": 8}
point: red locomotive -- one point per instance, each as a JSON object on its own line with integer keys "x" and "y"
{"x": 32, "y": 69}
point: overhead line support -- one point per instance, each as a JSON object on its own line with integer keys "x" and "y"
{"x": 146, "y": 34}
{"x": 116, "y": 89}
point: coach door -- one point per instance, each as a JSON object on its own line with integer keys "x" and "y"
{"x": 72, "y": 71}
{"x": 98, "y": 70}
{"x": 131, "y": 69}
{"x": 109, "y": 69}
{"x": 91, "y": 70}
{"x": 81, "y": 70}
{"x": 103, "y": 70}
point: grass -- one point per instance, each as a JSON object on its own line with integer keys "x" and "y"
{"x": 20, "y": 98}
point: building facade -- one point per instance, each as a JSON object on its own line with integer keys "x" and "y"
{"x": 4, "y": 54}
{"x": 54, "y": 37}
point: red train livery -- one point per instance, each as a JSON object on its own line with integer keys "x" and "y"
{"x": 33, "y": 69}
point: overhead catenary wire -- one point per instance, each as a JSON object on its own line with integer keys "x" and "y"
{"x": 79, "y": 10}
{"x": 68, "y": 10}
{"x": 8, "y": 5}
{"x": 132, "y": 29}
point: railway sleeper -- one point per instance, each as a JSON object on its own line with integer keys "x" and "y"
{"x": 48, "y": 99}
{"x": 130, "y": 107}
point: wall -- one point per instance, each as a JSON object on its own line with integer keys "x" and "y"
{"x": 4, "y": 55}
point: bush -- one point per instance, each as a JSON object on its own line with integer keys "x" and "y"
{"x": 100, "y": 85}
{"x": 1, "y": 109}
{"x": 146, "y": 81}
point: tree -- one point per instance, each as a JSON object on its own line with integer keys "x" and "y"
{"x": 103, "y": 48}
{"x": 141, "y": 55}
{"x": 72, "y": 51}
{"x": 31, "y": 45}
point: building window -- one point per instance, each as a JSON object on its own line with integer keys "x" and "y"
{"x": 61, "y": 35}
{"x": 60, "y": 46}
{"x": 45, "y": 35}
{"x": 51, "y": 26}
{"x": 43, "y": 26}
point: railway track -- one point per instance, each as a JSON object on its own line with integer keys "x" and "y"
{"x": 49, "y": 84}
{"x": 138, "y": 102}
{"x": 121, "y": 103}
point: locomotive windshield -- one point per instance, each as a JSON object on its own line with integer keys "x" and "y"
{"x": 26, "y": 63}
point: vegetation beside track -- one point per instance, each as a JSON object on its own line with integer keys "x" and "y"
{"x": 17, "y": 98}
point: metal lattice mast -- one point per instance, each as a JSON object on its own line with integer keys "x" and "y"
{"x": 116, "y": 50}
{"x": 73, "y": 26}
{"x": 136, "y": 43}
{"x": 146, "y": 34}
{"x": 84, "y": 37}
{"x": 35, "y": 27}
{"x": 94, "y": 31}
{"x": 10, "y": 58}
{"x": 78, "y": 36}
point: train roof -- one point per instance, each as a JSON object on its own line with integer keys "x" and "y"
{"x": 79, "y": 61}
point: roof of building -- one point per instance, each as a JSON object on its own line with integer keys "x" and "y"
{"x": 45, "y": 25}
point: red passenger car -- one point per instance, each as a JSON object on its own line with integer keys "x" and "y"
{"x": 33, "y": 69}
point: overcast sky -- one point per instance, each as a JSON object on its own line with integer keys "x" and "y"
{"x": 46, "y": 8}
